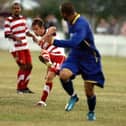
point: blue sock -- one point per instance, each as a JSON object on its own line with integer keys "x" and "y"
{"x": 68, "y": 86}
{"x": 91, "y": 103}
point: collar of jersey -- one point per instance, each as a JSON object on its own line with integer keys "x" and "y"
{"x": 75, "y": 19}
{"x": 20, "y": 16}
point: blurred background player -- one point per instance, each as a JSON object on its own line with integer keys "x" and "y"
{"x": 51, "y": 55}
{"x": 16, "y": 30}
{"x": 84, "y": 59}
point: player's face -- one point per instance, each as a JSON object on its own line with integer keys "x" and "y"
{"x": 16, "y": 9}
{"x": 39, "y": 31}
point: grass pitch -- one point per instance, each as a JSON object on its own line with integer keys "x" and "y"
{"x": 20, "y": 110}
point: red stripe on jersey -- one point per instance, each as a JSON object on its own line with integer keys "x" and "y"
{"x": 7, "y": 32}
{"x": 17, "y": 25}
{"x": 18, "y": 32}
{"x": 20, "y": 44}
{"x": 7, "y": 25}
{"x": 22, "y": 37}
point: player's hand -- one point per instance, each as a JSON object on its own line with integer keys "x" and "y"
{"x": 34, "y": 39}
{"x": 51, "y": 31}
{"x": 48, "y": 39}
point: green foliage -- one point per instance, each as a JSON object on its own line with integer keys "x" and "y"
{"x": 96, "y": 7}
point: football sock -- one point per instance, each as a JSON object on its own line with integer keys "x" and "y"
{"x": 20, "y": 79}
{"x": 68, "y": 86}
{"x": 27, "y": 78}
{"x": 91, "y": 103}
{"x": 46, "y": 91}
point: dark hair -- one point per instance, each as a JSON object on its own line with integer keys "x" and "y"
{"x": 67, "y": 8}
{"x": 38, "y": 21}
{"x": 16, "y": 4}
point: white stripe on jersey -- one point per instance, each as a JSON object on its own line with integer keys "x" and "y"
{"x": 53, "y": 49}
{"x": 20, "y": 34}
{"x": 17, "y": 22}
{"x": 13, "y": 49}
{"x": 18, "y": 28}
{"x": 7, "y": 29}
{"x": 49, "y": 49}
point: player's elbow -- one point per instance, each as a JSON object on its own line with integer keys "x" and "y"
{"x": 6, "y": 35}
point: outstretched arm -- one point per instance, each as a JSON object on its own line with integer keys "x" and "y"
{"x": 48, "y": 37}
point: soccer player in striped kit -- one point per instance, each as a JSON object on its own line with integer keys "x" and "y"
{"x": 51, "y": 55}
{"x": 84, "y": 59}
{"x": 16, "y": 30}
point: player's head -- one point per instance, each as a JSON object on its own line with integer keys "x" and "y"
{"x": 67, "y": 10}
{"x": 16, "y": 9}
{"x": 38, "y": 26}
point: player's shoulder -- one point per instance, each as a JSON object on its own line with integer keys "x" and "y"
{"x": 22, "y": 17}
{"x": 82, "y": 22}
{"x": 10, "y": 18}
{"x": 82, "y": 19}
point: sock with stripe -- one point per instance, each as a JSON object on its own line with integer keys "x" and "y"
{"x": 47, "y": 89}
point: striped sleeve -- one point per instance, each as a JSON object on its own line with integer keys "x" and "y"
{"x": 7, "y": 29}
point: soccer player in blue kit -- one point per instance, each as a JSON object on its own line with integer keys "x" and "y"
{"x": 83, "y": 59}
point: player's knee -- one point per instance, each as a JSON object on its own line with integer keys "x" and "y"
{"x": 29, "y": 66}
{"x": 22, "y": 66}
{"x": 65, "y": 74}
{"x": 89, "y": 89}
{"x": 89, "y": 93}
{"x": 26, "y": 67}
{"x": 49, "y": 79}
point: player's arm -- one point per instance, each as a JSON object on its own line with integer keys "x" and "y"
{"x": 48, "y": 36}
{"x": 29, "y": 34}
{"x": 13, "y": 37}
{"x": 51, "y": 31}
{"x": 8, "y": 33}
{"x": 34, "y": 38}
{"x": 74, "y": 41}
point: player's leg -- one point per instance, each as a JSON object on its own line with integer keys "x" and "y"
{"x": 21, "y": 72}
{"x": 67, "y": 84}
{"x": 47, "y": 88}
{"x": 45, "y": 57}
{"x": 91, "y": 100}
{"x": 28, "y": 69}
{"x": 92, "y": 74}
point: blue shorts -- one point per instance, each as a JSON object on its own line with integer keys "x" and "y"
{"x": 89, "y": 67}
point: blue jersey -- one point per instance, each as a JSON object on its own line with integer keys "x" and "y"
{"x": 81, "y": 41}
{"x": 83, "y": 58}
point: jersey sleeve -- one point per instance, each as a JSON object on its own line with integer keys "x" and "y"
{"x": 7, "y": 29}
{"x": 77, "y": 37}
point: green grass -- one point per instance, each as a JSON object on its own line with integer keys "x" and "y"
{"x": 20, "y": 110}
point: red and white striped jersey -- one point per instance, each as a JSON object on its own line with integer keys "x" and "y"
{"x": 52, "y": 49}
{"x": 17, "y": 26}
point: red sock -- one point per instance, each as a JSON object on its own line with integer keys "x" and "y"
{"x": 20, "y": 79}
{"x": 46, "y": 91}
{"x": 27, "y": 78}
